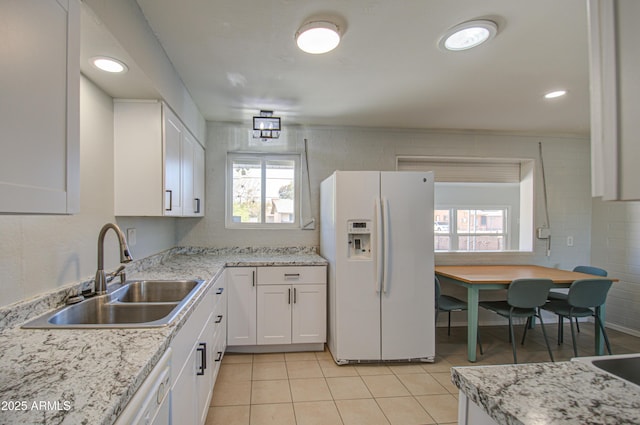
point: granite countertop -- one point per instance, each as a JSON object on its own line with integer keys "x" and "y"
{"x": 549, "y": 393}
{"x": 74, "y": 376}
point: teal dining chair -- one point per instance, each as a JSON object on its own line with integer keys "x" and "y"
{"x": 555, "y": 295}
{"x": 583, "y": 300}
{"x": 524, "y": 299}
{"x": 447, "y": 303}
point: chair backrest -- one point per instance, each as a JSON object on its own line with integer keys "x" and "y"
{"x": 588, "y": 293}
{"x": 528, "y": 293}
{"x": 437, "y": 290}
{"x": 590, "y": 270}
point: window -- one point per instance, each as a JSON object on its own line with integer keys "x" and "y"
{"x": 480, "y": 204}
{"x": 465, "y": 229}
{"x": 262, "y": 191}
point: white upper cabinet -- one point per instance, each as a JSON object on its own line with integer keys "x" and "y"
{"x": 192, "y": 177}
{"x": 39, "y": 100}
{"x": 154, "y": 161}
{"x": 615, "y": 98}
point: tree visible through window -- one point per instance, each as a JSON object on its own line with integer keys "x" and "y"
{"x": 262, "y": 190}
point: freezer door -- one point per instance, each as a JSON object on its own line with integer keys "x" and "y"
{"x": 357, "y": 299}
{"x": 407, "y": 310}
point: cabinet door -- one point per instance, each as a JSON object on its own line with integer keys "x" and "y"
{"x": 173, "y": 134}
{"x": 188, "y": 205}
{"x": 40, "y": 120}
{"x": 309, "y": 315}
{"x": 198, "y": 179}
{"x": 205, "y": 367}
{"x": 241, "y": 305}
{"x": 192, "y": 176}
{"x": 184, "y": 406}
{"x": 274, "y": 314}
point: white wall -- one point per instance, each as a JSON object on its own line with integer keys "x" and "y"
{"x": 615, "y": 237}
{"x": 566, "y": 163}
{"x": 39, "y": 253}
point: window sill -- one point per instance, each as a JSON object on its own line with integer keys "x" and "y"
{"x": 495, "y": 257}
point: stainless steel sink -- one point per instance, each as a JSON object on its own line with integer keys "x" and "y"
{"x": 155, "y": 291}
{"x": 137, "y": 304}
{"x": 624, "y": 366}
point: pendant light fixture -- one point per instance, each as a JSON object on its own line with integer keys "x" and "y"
{"x": 468, "y": 35}
{"x": 318, "y": 37}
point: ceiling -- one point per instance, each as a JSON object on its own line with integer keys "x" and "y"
{"x": 239, "y": 56}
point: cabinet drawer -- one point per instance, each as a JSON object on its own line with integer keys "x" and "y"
{"x": 292, "y": 275}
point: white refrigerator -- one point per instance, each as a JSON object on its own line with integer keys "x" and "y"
{"x": 376, "y": 231}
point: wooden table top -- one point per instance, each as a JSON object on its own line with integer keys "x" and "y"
{"x": 507, "y": 273}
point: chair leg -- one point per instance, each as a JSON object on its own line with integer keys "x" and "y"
{"x": 544, "y": 333}
{"x": 560, "y": 329}
{"x": 526, "y": 326}
{"x": 577, "y": 325}
{"x": 449, "y": 324}
{"x": 604, "y": 333}
{"x": 513, "y": 341}
{"x": 573, "y": 338}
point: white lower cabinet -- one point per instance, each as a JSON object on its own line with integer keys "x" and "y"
{"x": 241, "y": 322}
{"x": 197, "y": 356}
{"x": 469, "y": 413}
{"x": 291, "y": 305}
{"x": 276, "y": 305}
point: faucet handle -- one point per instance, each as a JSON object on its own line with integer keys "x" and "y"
{"x": 118, "y": 271}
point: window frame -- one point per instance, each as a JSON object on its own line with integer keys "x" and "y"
{"x": 454, "y": 235}
{"x": 263, "y": 158}
{"x": 500, "y": 172}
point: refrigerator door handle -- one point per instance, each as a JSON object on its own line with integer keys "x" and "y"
{"x": 379, "y": 245}
{"x": 385, "y": 237}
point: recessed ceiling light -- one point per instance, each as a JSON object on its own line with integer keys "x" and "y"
{"x": 318, "y": 37}
{"x": 554, "y": 94}
{"x": 107, "y": 64}
{"x": 468, "y": 35}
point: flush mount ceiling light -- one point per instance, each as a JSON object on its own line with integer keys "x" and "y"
{"x": 266, "y": 126}
{"x": 555, "y": 94}
{"x": 108, "y": 64}
{"x": 468, "y": 35}
{"x": 318, "y": 37}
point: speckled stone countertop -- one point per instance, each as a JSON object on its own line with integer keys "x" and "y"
{"x": 549, "y": 393}
{"x": 74, "y": 376}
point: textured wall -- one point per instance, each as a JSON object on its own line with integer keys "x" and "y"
{"x": 42, "y": 252}
{"x": 616, "y": 248}
{"x": 566, "y": 163}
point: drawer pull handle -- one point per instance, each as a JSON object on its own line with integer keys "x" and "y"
{"x": 295, "y": 297}
{"x": 292, "y": 275}
{"x": 219, "y": 319}
{"x": 289, "y": 295}
{"x": 202, "y": 348}
{"x": 219, "y": 356}
{"x": 253, "y": 278}
{"x": 197, "y": 209}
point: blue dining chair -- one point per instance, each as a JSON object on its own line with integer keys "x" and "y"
{"x": 447, "y": 303}
{"x": 555, "y": 295}
{"x": 583, "y": 300}
{"x": 524, "y": 299}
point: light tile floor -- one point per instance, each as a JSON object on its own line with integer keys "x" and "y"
{"x": 310, "y": 389}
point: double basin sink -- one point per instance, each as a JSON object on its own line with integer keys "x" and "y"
{"x": 136, "y": 304}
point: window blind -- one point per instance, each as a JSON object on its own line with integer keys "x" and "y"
{"x": 463, "y": 169}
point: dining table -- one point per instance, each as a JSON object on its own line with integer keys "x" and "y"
{"x": 478, "y": 278}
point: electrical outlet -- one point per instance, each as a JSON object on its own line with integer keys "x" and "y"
{"x": 131, "y": 236}
{"x": 569, "y": 240}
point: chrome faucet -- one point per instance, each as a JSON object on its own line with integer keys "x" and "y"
{"x": 125, "y": 256}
